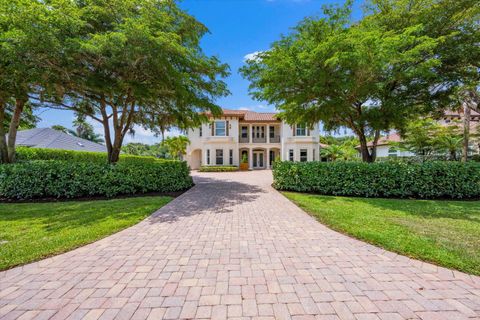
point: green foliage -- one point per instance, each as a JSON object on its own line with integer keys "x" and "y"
{"x": 176, "y": 146}
{"x": 142, "y": 149}
{"x": 371, "y": 75}
{"x": 429, "y": 140}
{"x": 344, "y": 151}
{"x": 25, "y": 153}
{"x": 73, "y": 179}
{"x": 218, "y": 168}
{"x": 427, "y": 180}
{"x": 244, "y": 158}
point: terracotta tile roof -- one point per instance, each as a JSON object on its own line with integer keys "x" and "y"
{"x": 251, "y": 116}
{"x": 260, "y": 116}
{"x": 393, "y": 137}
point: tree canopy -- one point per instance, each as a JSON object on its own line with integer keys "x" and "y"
{"x": 119, "y": 62}
{"x": 395, "y": 64}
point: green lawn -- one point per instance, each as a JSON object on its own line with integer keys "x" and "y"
{"x": 31, "y": 231}
{"x": 446, "y": 233}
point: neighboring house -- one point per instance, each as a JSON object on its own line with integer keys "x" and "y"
{"x": 260, "y": 137}
{"x": 385, "y": 148}
{"x": 54, "y": 139}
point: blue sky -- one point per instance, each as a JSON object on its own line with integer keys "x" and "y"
{"x": 237, "y": 28}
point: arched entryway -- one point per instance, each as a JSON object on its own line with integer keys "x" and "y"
{"x": 196, "y": 159}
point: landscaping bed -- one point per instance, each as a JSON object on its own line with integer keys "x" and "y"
{"x": 29, "y": 232}
{"x": 218, "y": 168}
{"x": 428, "y": 180}
{"x": 445, "y": 233}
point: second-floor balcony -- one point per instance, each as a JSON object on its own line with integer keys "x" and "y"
{"x": 273, "y": 139}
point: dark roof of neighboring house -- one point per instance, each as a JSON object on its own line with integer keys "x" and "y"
{"x": 54, "y": 139}
{"x": 251, "y": 116}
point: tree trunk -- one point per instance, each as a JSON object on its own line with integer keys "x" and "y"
{"x": 3, "y": 141}
{"x": 466, "y": 130}
{"x": 366, "y": 155}
{"x": 12, "y": 131}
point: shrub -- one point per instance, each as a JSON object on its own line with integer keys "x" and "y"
{"x": 382, "y": 179}
{"x": 73, "y": 179}
{"x": 25, "y": 153}
{"x": 218, "y": 168}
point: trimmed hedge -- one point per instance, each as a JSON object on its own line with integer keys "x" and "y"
{"x": 428, "y": 180}
{"x": 27, "y": 154}
{"x": 73, "y": 179}
{"x": 218, "y": 168}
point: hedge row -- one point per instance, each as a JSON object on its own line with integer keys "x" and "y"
{"x": 27, "y": 154}
{"x": 427, "y": 180}
{"x": 73, "y": 179}
{"x": 218, "y": 168}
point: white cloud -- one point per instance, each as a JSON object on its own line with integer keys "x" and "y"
{"x": 251, "y": 56}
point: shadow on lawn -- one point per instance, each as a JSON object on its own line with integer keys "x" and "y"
{"x": 58, "y": 216}
{"x": 209, "y": 194}
{"x": 429, "y": 209}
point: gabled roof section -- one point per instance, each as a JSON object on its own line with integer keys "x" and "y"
{"x": 54, "y": 139}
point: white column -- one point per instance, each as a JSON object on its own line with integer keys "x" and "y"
{"x": 250, "y": 158}
{"x": 268, "y": 158}
{"x": 250, "y": 133}
{"x": 268, "y": 133}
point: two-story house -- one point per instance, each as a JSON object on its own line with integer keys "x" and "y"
{"x": 257, "y": 136}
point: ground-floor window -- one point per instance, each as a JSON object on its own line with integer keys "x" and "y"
{"x": 303, "y": 155}
{"x": 231, "y": 156}
{"x": 208, "y": 156}
{"x": 219, "y": 156}
{"x": 290, "y": 155}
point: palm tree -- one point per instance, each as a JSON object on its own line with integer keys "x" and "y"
{"x": 176, "y": 146}
{"x": 451, "y": 144}
{"x": 332, "y": 152}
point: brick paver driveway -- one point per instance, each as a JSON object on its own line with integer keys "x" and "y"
{"x": 233, "y": 247}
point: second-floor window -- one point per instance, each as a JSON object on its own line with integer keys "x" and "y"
{"x": 272, "y": 132}
{"x": 300, "y": 130}
{"x": 290, "y": 155}
{"x": 220, "y": 128}
{"x": 231, "y": 157}
{"x": 244, "y": 132}
{"x": 200, "y": 131}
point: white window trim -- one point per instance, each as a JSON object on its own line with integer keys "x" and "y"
{"x": 224, "y": 128}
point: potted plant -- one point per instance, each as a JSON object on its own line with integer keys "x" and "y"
{"x": 244, "y": 163}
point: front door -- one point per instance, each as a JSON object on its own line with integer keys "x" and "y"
{"x": 258, "y": 159}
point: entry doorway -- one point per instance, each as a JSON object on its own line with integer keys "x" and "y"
{"x": 258, "y": 160}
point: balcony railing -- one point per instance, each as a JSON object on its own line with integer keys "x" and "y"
{"x": 244, "y": 140}
{"x": 275, "y": 139}
{"x": 259, "y": 140}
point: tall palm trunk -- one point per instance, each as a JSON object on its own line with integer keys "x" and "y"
{"x": 466, "y": 130}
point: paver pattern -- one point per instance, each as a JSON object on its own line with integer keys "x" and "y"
{"x": 233, "y": 247}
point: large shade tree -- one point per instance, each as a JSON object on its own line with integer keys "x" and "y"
{"x": 133, "y": 58}
{"x": 31, "y": 35}
{"x": 369, "y": 76}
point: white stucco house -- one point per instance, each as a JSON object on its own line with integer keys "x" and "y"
{"x": 258, "y": 136}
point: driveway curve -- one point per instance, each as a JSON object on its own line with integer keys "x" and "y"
{"x": 233, "y": 247}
